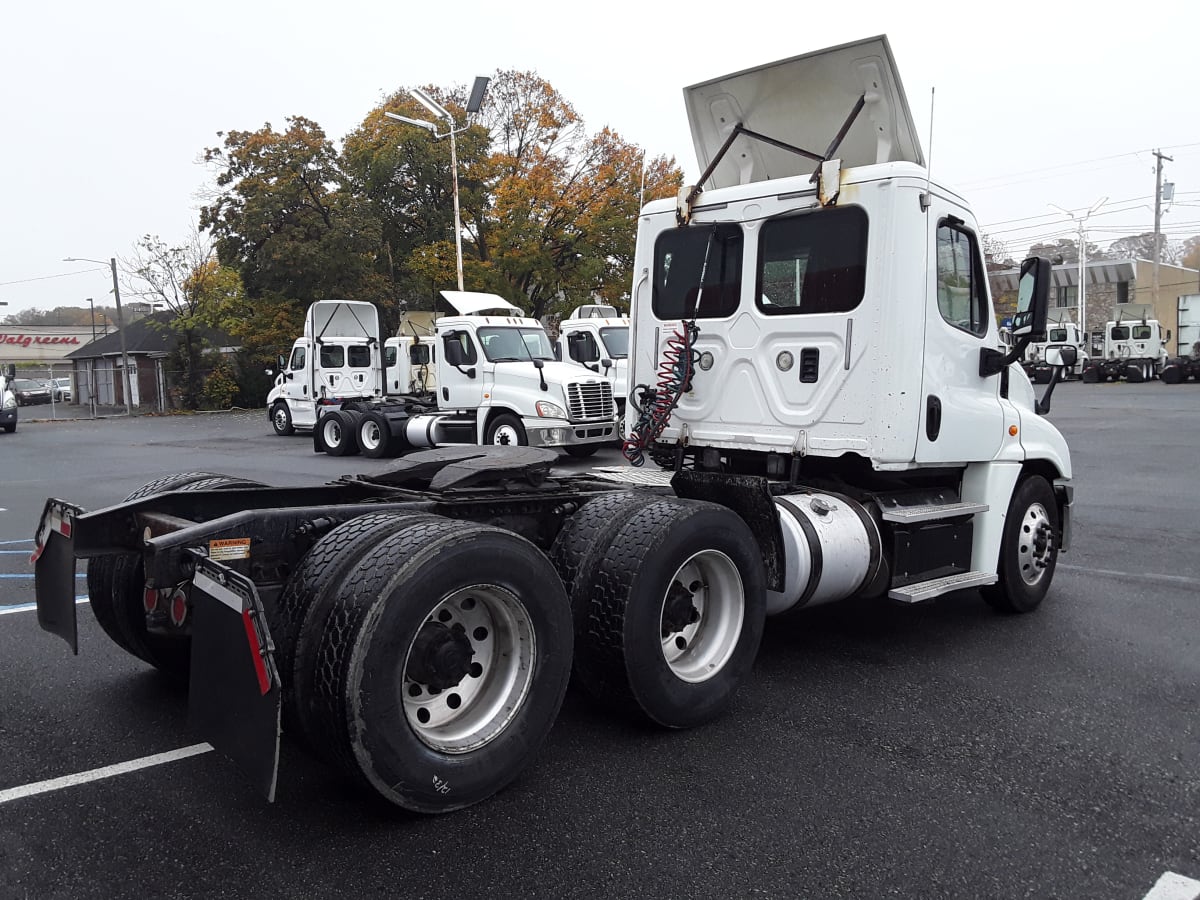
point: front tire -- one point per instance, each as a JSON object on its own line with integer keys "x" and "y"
{"x": 506, "y": 430}
{"x": 1028, "y": 550}
{"x": 281, "y": 420}
{"x": 581, "y": 451}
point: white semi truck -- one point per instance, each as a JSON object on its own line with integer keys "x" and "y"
{"x": 597, "y": 338}
{"x": 1135, "y": 347}
{"x": 1058, "y": 334}
{"x": 338, "y": 359}
{"x": 814, "y": 360}
{"x": 488, "y": 376}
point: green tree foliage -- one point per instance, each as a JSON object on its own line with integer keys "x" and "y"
{"x": 284, "y": 219}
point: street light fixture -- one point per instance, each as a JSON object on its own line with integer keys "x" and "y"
{"x": 112, "y": 263}
{"x": 1082, "y": 221}
{"x": 440, "y": 112}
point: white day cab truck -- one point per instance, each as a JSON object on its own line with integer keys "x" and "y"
{"x": 814, "y": 361}
{"x": 1058, "y": 334}
{"x": 1135, "y": 347}
{"x": 596, "y": 337}
{"x": 338, "y": 359}
{"x": 495, "y": 381}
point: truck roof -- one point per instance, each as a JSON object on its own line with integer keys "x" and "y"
{"x": 804, "y": 102}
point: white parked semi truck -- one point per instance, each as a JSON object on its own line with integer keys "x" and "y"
{"x": 497, "y": 383}
{"x": 1058, "y": 335}
{"x": 814, "y": 360}
{"x": 1135, "y": 347}
{"x": 338, "y": 360}
{"x": 597, "y": 338}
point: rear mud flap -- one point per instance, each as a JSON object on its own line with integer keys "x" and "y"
{"x": 234, "y": 693}
{"x": 54, "y": 571}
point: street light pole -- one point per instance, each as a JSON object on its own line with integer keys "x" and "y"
{"x": 1081, "y": 221}
{"x": 112, "y": 264}
{"x": 473, "y": 105}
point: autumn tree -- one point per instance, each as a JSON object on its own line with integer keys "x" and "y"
{"x": 283, "y": 217}
{"x": 1065, "y": 250}
{"x": 1141, "y": 246}
{"x": 1190, "y": 255}
{"x": 561, "y": 225}
{"x": 187, "y": 281}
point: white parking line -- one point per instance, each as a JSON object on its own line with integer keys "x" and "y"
{"x": 1147, "y": 576}
{"x": 133, "y": 765}
{"x": 29, "y": 607}
{"x": 1171, "y": 886}
{"x": 22, "y": 541}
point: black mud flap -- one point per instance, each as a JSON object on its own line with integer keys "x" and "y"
{"x": 234, "y": 693}
{"x": 54, "y": 571}
{"x": 750, "y": 497}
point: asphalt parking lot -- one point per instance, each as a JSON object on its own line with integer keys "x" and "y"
{"x": 934, "y": 751}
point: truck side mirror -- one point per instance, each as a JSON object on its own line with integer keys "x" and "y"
{"x": 10, "y": 371}
{"x": 455, "y": 356}
{"x": 282, "y": 361}
{"x": 1065, "y": 355}
{"x": 1033, "y": 294}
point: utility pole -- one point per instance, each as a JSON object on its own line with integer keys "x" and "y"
{"x": 1159, "y": 157}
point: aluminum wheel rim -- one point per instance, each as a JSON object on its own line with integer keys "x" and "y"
{"x": 333, "y": 433}
{"x": 280, "y": 418}
{"x": 506, "y": 435}
{"x": 699, "y": 650}
{"x": 473, "y": 712}
{"x": 371, "y": 436}
{"x": 1036, "y": 544}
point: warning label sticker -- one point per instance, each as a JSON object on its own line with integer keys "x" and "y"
{"x": 229, "y": 548}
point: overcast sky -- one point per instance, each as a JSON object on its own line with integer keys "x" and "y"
{"x": 107, "y": 107}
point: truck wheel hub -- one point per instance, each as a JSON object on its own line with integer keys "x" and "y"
{"x": 1035, "y": 545}
{"x": 441, "y": 656}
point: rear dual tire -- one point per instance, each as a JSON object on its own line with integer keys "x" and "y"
{"x": 669, "y": 601}
{"x": 436, "y": 665}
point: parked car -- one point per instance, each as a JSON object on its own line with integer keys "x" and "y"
{"x": 30, "y": 392}
{"x": 61, "y": 389}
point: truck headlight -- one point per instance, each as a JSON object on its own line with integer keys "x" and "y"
{"x": 549, "y": 410}
{"x": 10, "y": 402}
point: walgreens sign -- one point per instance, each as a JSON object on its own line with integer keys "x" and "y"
{"x": 45, "y": 343}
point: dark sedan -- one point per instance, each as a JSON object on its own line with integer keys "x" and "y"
{"x": 30, "y": 392}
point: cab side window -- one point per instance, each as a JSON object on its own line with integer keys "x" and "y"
{"x": 298, "y": 359}
{"x": 463, "y": 339}
{"x": 582, "y": 347}
{"x": 1141, "y": 332}
{"x": 961, "y": 295}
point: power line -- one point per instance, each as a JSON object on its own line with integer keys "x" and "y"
{"x": 48, "y": 277}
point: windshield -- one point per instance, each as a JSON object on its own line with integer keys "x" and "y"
{"x": 515, "y": 344}
{"x": 616, "y": 341}
{"x": 24, "y": 384}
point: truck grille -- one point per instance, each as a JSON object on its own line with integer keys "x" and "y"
{"x": 588, "y": 400}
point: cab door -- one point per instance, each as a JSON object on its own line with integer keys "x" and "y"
{"x": 460, "y": 375}
{"x": 962, "y": 419}
{"x": 296, "y": 386}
